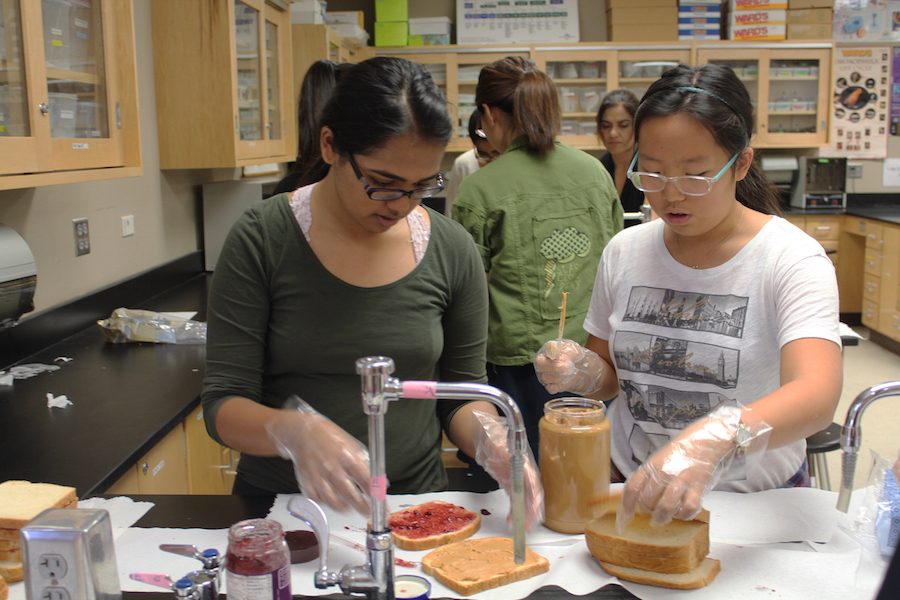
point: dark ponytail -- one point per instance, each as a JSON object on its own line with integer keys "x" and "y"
{"x": 379, "y": 99}
{"x": 514, "y": 85}
{"x": 715, "y": 97}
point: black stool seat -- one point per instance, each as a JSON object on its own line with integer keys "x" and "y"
{"x": 824, "y": 441}
{"x": 816, "y": 446}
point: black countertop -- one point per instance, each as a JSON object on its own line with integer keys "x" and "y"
{"x": 884, "y": 210}
{"x": 125, "y": 397}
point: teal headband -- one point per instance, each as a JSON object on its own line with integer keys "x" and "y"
{"x": 688, "y": 88}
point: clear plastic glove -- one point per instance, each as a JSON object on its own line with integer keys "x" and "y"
{"x": 566, "y": 366}
{"x": 331, "y": 466}
{"x": 492, "y": 453}
{"x": 672, "y": 482}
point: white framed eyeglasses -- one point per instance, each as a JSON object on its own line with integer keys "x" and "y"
{"x": 689, "y": 185}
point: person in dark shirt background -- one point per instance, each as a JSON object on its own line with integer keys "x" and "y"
{"x": 615, "y": 128}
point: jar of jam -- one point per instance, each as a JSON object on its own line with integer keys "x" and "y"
{"x": 258, "y": 563}
{"x": 574, "y": 462}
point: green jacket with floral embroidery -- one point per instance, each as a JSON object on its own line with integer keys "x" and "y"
{"x": 540, "y": 225}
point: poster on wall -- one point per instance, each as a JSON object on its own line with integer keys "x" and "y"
{"x": 859, "y": 108}
{"x": 895, "y": 91}
{"x": 493, "y": 21}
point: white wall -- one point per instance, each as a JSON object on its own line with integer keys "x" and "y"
{"x": 163, "y": 204}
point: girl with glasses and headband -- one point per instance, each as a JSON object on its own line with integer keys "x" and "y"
{"x": 714, "y": 328}
{"x": 540, "y": 215}
{"x": 350, "y": 266}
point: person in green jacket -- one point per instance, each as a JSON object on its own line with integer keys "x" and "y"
{"x": 347, "y": 267}
{"x": 540, "y": 217}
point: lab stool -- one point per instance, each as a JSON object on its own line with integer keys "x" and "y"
{"x": 816, "y": 446}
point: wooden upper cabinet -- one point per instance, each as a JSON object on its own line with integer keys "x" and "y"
{"x": 788, "y": 86}
{"x": 68, "y": 92}
{"x": 224, "y": 83}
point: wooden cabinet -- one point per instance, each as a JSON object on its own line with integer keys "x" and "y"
{"x": 788, "y": 85}
{"x": 163, "y": 470}
{"x": 185, "y": 461}
{"x": 310, "y": 43}
{"x": 211, "y": 466}
{"x": 68, "y": 92}
{"x": 224, "y": 83}
{"x": 870, "y": 277}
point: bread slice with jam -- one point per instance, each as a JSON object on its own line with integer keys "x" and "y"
{"x": 432, "y": 524}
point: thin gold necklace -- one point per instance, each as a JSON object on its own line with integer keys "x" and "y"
{"x": 730, "y": 234}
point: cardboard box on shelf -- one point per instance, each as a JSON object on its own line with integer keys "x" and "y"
{"x": 391, "y": 10}
{"x": 642, "y": 32}
{"x": 757, "y": 32}
{"x": 429, "y": 26}
{"x": 391, "y": 33}
{"x": 656, "y": 15}
{"x": 758, "y": 4}
{"x": 613, "y": 4}
{"x": 430, "y": 39}
{"x": 758, "y": 17}
{"x": 689, "y": 12}
{"x": 346, "y": 17}
{"x": 809, "y": 31}
{"x": 700, "y": 34}
{"x": 794, "y": 4}
{"x": 698, "y": 25}
{"x": 810, "y": 16}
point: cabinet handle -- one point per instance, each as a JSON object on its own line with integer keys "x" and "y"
{"x": 145, "y": 468}
{"x": 44, "y": 108}
{"x": 861, "y": 226}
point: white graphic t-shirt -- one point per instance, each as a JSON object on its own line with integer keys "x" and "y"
{"x": 684, "y": 340}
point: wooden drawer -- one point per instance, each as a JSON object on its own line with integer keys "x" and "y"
{"x": 874, "y": 236}
{"x": 831, "y": 246}
{"x": 823, "y": 229}
{"x": 871, "y": 288}
{"x": 870, "y": 314}
{"x": 872, "y": 264}
{"x": 855, "y": 226}
{"x": 892, "y": 327}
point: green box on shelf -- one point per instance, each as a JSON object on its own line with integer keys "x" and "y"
{"x": 391, "y": 10}
{"x": 391, "y": 33}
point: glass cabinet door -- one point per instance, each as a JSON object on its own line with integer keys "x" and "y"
{"x": 745, "y": 66}
{"x": 273, "y": 83}
{"x": 14, "y": 121}
{"x": 249, "y": 73}
{"x": 793, "y": 99}
{"x": 638, "y": 69}
{"x": 581, "y": 80}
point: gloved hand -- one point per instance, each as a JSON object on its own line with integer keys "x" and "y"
{"x": 331, "y": 466}
{"x": 566, "y": 366}
{"x": 493, "y": 454}
{"x": 672, "y": 482}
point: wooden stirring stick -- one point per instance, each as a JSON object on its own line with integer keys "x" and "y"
{"x": 562, "y": 315}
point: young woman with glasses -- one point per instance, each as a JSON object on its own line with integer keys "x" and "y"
{"x": 347, "y": 267}
{"x": 540, "y": 215}
{"x": 714, "y": 328}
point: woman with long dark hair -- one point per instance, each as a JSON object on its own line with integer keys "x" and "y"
{"x": 346, "y": 267}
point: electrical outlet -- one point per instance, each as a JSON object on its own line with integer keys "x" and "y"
{"x": 82, "y": 236}
{"x": 52, "y": 566}
{"x": 127, "y": 225}
{"x": 854, "y": 171}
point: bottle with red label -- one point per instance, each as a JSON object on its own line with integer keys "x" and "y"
{"x": 258, "y": 563}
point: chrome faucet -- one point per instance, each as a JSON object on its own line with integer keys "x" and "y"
{"x": 375, "y": 579}
{"x": 851, "y": 435}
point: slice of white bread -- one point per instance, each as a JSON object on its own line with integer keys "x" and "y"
{"x": 14, "y": 554}
{"x": 11, "y": 571}
{"x": 432, "y": 524}
{"x": 700, "y": 577}
{"x": 472, "y": 566}
{"x": 21, "y": 501}
{"x": 677, "y": 547}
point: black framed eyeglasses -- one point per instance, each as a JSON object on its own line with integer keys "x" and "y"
{"x": 388, "y": 194}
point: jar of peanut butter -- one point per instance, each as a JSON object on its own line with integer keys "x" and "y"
{"x": 574, "y": 461}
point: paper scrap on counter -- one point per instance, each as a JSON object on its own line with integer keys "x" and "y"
{"x": 29, "y": 370}
{"x": 63, "y": 359}
{"x": 6, "y": 378}
{"x": 123, "y": 511}
{"x": 58, "y": 401}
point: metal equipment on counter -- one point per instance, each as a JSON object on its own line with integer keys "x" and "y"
{"x": 18, "y": 277}
{"x": 375, "y": 579}
{"x": 851, "y": 435}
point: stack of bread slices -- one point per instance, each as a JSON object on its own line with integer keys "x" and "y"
{"x": 671, "y": 556}
{"x": 21, "y": 501}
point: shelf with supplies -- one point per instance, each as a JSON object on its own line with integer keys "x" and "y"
{"x": 68, "y": 93}
{"x": 774, "y": 73}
